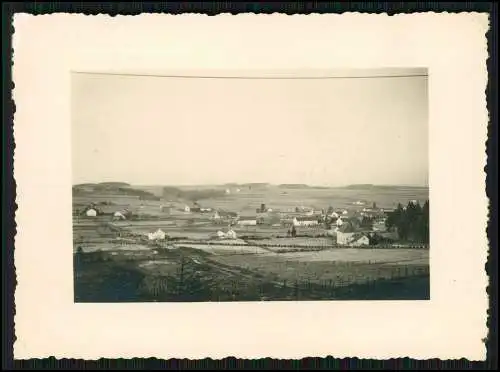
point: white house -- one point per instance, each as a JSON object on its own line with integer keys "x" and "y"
{"x": 157, "y": 235}
{"x": 339, "y": 222}
{"x": 344, "y": 238}
{"x": 119, "y": 216}
{"x": 379, "y": 225}
{"x": 91, "y": 212}
{"x": 231, "y": 234}
{"x": 305, "y": 221}
{"x": 247, "y": 221}
{"x": 224, "y": 216}
{"x": 187, "y": 209}
{"x": 352, "y": 239}
{"x": 359, "y": 241}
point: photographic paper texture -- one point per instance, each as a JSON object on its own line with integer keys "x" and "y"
{"x": 250, "y": 186}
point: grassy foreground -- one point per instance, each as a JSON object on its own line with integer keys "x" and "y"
{"x": 101, "y": 278}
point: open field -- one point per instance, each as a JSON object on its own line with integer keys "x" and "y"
{"x": 193, "y": 275}
{"x": 262, "y": 264}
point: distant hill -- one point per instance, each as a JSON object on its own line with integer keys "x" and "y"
{"x": 255, "y": 184}
{"x": 115, "y": 184}
{"x": 293, "y": 186}
{"x": 112, "y": 188}
{"x": 378, "y": 187}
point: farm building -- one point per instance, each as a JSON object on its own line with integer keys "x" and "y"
{"x": 247, "y": 221}
{"x": 120, "y": 215}
{"x": 157, "y": 235}
{"x": 91, "y": 212}
{"x": 359, "y": 240}
{"x": 379, "y": 225}
{"x": 344, "y": 238}
{"x": 306, "y": 221}
{"x": 223, "y": 216}
{"x": 230, "y": 234}
{"x": 334, "y": 215}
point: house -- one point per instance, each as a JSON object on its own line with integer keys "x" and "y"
{"x": 306, "y": 221}
{"x": 344, "y": 238}
{"x": 91, "y": 212}
{"x": 359, "y": 240}
{"x": 157, "y": 235}
{"x": 231, "y": 234}
{"x": 263, "y": 209}
{"x": 119, "y": 215}
{"x": 379, "y": 225}
{"x": 247, "y": 221}
{"x": 187, "y": 209}
{"x": 224, "y": 216}
{"x": 347, "y": 234}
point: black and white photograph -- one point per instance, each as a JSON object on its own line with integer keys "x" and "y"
{"x": 241, "y": 186}
{"x": 251, "y": 186}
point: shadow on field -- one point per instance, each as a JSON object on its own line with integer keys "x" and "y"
{"x": 98, "y": 278}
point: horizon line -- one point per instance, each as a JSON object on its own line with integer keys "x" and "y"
{"x": 252, "y": 183}
{"x": 250, "y": 77}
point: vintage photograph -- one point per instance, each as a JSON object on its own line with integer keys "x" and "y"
{"x": 248, "y": 187}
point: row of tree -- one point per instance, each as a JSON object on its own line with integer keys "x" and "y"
{"x": 411, "y": 222}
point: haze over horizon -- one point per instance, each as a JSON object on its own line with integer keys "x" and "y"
{"x": 319, "y": 132}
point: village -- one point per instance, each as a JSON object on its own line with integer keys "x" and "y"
{"x": 228, "y": 249}
{"x": 364, "y": 224}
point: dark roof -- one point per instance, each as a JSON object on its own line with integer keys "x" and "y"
{"x": 346, "y": 228}
{"x": 247, "y": 218}
{"x": 307, "y": 218}
{"x": 358, "y": 236}
{"x": 226, "y": 213}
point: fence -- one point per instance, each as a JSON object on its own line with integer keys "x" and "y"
{"x": 348, "y": 287}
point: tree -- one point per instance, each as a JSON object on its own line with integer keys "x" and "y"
{"x": 412, "y": 222}
{"x": 367, "y": 222}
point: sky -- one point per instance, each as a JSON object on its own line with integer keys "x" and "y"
{"x": 155, "y": 130}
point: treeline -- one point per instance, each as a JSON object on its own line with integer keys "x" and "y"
{"x": 411, "y": 222}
